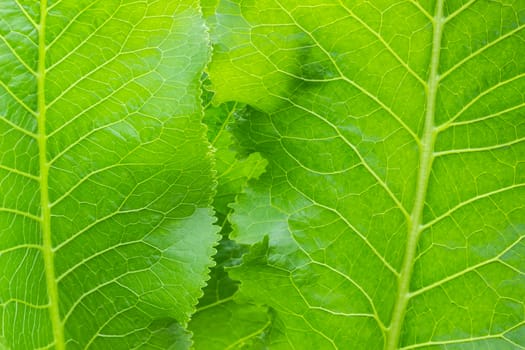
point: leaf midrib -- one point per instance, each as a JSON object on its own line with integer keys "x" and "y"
{"x": 45, "y": 205}
{"x": 425, "y": 165}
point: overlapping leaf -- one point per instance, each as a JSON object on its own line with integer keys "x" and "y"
{"x": 105, "y": 178}
{"x": 393, "y": 203}
{"x": 220, "y": 321}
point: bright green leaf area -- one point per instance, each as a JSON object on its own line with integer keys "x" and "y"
{"x": 105, "y": 173}
{"x": 393, "y": 203}
{"x": 363, "y": 160}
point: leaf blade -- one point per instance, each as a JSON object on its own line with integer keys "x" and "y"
{"x": 353, "y": 138}
{"x": 119, "y": 190}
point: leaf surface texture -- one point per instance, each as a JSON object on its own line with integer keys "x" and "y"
{"x": 221, "y": 321}
{"x": 393, "y": 200}
{"x": 105, "y": 173}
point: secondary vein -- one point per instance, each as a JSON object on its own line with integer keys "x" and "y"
{"x": 425, "y": 165}
{"x": 47, "y": 246}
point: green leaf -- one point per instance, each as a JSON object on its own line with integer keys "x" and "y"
{"x": 217, "y": 308}
{"x": 105, "y": 221}
{"x": 230, "y": 325}
{"x": 234, "y": 170}
{"x": 222, "y": 321}
{"x": 393, "y": 201}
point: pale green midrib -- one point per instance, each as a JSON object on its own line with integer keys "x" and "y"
{"x": 425, "y": 165}
{"x": 45, "y": 207}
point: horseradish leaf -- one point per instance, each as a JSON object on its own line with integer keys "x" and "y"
{"x": 393, "y": 201}
{"x": 105, "y": 174}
